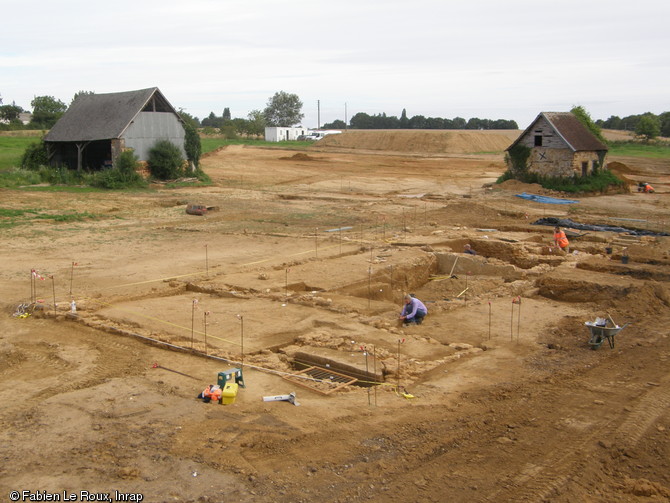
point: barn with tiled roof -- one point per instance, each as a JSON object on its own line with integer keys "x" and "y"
{"x": 96, "y": 128}
{"x": 560, "y": 145}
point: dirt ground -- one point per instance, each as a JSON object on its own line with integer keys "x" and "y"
{"x": 304, "y": 257}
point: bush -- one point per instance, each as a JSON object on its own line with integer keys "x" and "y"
{"x": 600, "y": 181}
{"x": 35, "y": 157}
{"x": 16, "y": 177}
{"x": 229, "y": 132}
{"x": 122, "y": 176}
{"x": 165, "y": 161}
{"x": 62, "y": 175}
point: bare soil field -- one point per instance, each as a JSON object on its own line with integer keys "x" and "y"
{"x": 302, "y": 262}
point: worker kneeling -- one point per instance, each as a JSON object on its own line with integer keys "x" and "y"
{"x": 211, "y": 393}
{"x": 414, "y": 311}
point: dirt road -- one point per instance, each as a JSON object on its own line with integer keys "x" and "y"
{"x": 497, "y": 396}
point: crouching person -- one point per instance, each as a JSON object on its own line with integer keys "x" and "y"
{"x": 211, "y": 392}
{"x": 414, "y": 311}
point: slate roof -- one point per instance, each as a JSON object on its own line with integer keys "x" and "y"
{"x": 104, "y": 116}
{"x": 568, "y": 127}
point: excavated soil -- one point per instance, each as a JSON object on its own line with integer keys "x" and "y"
{"x": 497, "y": 396}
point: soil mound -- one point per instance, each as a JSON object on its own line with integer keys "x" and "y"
{"x": 298, "y": 157}
{"x": 424, "y": 141}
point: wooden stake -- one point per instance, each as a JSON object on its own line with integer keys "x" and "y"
{"x": 241, "y": 340}
{"x": 193, "y": 304}
{"x": 518, "y": 320}
{"x": 511, "y": 335}
{"x": 374, "y": 369}
{"x": 71, "y": 275}
{"x": 286, "y": 283}
{"x": 369, "y": 285}
{"x": 489, "y": 320}
{"x": 53, "y": 287}
{"x": 206, "y": 313}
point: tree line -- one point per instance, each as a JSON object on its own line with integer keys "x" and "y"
{"x": 363, "y": 120}
{"x": 647, "y": 125}
{"x": 285, "y": 109}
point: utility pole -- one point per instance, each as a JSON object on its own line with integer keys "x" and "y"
{"x": 318, "y": 114}
{"x": 345, "y": 115}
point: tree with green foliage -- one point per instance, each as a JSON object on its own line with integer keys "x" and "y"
{"x": 336, "y": 124}
{"x": 648, "y": 127}
{"x": 256, "y": 123}
{"x": 46, "y": 111}
{"x": 228, "y": 131}
{"x": 404, "y": 121}
{"x": 192, "y": 144}
{"x": 665, "y": 124}
{"x": 585, "y": 118}
{"x": 165, "y": 161}
{"x": 10, "y": 113}
{"x": 226, "y": 114}
{"x": 283, "y": 110}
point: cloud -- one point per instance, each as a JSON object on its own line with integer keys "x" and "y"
{"x": 484, "y": 58}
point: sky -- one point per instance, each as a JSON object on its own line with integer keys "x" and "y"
{"x": 490, "y": 59}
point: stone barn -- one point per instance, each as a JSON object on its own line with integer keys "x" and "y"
{"x": 96, "y": 128}
{"x": 560, "y": 145}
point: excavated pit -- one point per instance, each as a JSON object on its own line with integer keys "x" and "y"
{"x": 301, "y": 316}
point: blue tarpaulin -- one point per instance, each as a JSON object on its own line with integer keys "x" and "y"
{"x": 545, "y": 199}
{"x": 567, "y": 223}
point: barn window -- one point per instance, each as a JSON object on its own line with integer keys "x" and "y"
{"x": 585, "y": 168}
{"x": 538, "y": 140}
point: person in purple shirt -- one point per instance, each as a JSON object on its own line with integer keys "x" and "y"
{"x": 414, "y": 311}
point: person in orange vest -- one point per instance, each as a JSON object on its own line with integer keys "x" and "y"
{"x": 648, "y": 188}
{"x": 561, "y": 240}
{"x": 211, "y": 393}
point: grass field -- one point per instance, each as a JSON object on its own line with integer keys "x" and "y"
{"x": 629, "y": 149}
{"x": 12, "y": 148}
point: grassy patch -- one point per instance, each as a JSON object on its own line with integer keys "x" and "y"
{"x": 12, "y": 217}
{"x": 636, "y": 149}
{"x": 209, "y": 144}
{"x": 12, "y": 148}
{"x": 76, "y": 189}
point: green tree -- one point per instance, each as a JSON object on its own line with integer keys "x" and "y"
{"x": 665, "y": 124}
{"x": 404, "y": 121}
{"x": 361, "y": 120}
{"x": 283, "y": 110}
{"x": 240, "y": 125}
{"x": 585, "y": 118}
{"x": 256, "y": 124}
{"x": 336, "y": 124}
{"x": 226, "y": 114}
{"x": 10, "y": 113}
{"x": 192, "y": 144}
{"x": 649, "y": 127}
{"x": 46, "y": 111}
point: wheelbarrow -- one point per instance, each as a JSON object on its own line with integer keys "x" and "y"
{"x": 601, "y": 330}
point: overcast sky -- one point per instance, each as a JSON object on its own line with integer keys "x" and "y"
{"x": 492, "y": 59}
